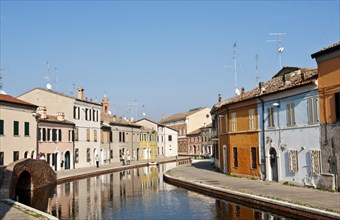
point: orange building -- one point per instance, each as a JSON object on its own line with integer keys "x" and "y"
{"x": 328, "y": 60}
{"x": 238, "y": 135}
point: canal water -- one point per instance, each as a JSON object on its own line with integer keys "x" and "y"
{"x": 135, "y": 194}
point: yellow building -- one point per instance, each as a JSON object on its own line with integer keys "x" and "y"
{"x": 148, "y": 144}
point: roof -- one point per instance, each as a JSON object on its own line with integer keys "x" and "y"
{"x": 298, "y": 78}
{"x": 122, "y": 122}
{"x": 53, "y": 119}
{"x": 159, "y": 124}
{"x": 61, "y": 94}
{"x": 181, "y": 116}
{"x": 11, "y": 99}
{"x": 327, "y": 50}
{"x": 195, "y": 132}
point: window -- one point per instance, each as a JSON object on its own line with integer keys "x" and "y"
{"x": 48, "y": 134}
{"x": 315, "y": 161}
{"x": 1, "y": 158}
{"x": 15, "y": 128}
{"x": 337, "y": 106}
{"x": 1, "y": 127}
{"x": 95, "y": 135}
{"x": 88, "y": 134}
{"x": 253, "y": 158}
{"x": 111, "y": 137}
{"x": 312, "y": 110}
{"x": 54, "y": 135}
{"x": 76, "y": 134}
{"x": 59, "y": 135}
{"x": 44, "y": 134}
{"x": 293, "y": 161}
{"x": 233, "y": 121}
{"x": 76, "y": 157}
{"x": 226, "y": 123}
{"x": 170, "y": 137}
{"x": 290, "y": 114}
{"x": 88, "y": 155}
{"x": 271, "y": 117}
{"x": 15, "y": 155}
{"x": 235, "y": 157}
{"x": 251, "y": 119}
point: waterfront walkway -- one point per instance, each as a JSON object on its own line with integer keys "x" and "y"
{"x": 204, "y": 175}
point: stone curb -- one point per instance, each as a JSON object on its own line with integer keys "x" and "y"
{"x": 12, "y": 202}
{"x": 258, "y": 201}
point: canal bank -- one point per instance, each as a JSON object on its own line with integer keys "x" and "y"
{"x": 296, "y": 202}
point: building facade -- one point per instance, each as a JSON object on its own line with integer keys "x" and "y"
{"x": 18, "y": 130}
{"x": 166, "y": 137}
{"x": 84, "y": 113}
{"x": 328, "y": 61}
{"x": 55, "y": 140}
{"x": 185, "y": 123}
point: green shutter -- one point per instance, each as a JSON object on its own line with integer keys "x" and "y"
{"x": 15, "y": 128}
{"x": 27, "y": 128}
{"x": 1, "y": 127}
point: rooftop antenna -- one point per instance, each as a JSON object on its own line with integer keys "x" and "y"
{"x": 237, "y": 92}
{"x": 56, "y": 78}
{"x": 257, "y": 78}
{"x": 280, "y": 47}
{"x": 47, "y": 77}
{"x": 73, "y": 90}
{"x": 1, "y": 84}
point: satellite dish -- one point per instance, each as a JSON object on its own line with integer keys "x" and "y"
{"x": 237, "y": 92}
{"x": 3, "y": 92}
{"x": 280, "y": 50}
{"x": 109, "y": 112}
{"x": 144, "y": 114}
{"x": 131, "y": 119}
{"x": 48, "y": 86}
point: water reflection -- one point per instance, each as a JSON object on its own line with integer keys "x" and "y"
{"x": 137, "y": 194}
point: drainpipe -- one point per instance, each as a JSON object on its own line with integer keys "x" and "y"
{"x": 263, "y": 140}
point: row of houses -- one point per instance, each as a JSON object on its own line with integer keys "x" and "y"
{"x": 287, "y": 129}
{"x": 69, "y": 132}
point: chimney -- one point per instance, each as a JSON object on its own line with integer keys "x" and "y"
{"x": 80, "y": 93}
{"x": 41, "y": 111}
{"x": 242, "y": 91}
{"x": 219, "y": 98}
{"x": 60, "y": 116}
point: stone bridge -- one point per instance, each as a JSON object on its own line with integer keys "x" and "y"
{"x": 25, "y": 175}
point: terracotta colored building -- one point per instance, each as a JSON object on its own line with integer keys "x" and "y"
{"x": 238, "y": 135}
{"x": 328, "y": 60}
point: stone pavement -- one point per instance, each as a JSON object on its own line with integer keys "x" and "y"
{"x": 203, "y": 173}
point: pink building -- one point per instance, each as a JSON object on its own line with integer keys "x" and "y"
{"x": 55, "y": 140}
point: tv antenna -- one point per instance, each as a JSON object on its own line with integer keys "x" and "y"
{"x": 280, "y": 48}
{"x": 1, "y": 83}
{"x": 257, "y": 78}
{"x": 47, "y": 77}
{"x": 56, "y": 78}
{"x": 237, "y": 91}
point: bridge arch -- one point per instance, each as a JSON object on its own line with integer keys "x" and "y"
{"x": 26, "y": 175}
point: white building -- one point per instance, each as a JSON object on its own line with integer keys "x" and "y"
{"x": 18, "y": 130}
{"x": 166, "y": 137}
{"x": 84, "y": 113}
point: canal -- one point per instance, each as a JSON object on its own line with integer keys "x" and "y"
{"x": 135, "y": 194}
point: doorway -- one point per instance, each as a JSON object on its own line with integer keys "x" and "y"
{"x": 67, "y": 160}
{"x": 273, "y": 164}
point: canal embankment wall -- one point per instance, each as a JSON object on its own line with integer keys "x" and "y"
{"x": 216, "y": 188}
{"x": 75, "y": 174}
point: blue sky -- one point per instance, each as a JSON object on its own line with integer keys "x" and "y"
{"x": 170, "y": 56}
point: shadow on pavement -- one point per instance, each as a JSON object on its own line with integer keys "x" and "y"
{"x": 205, "y": 164}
